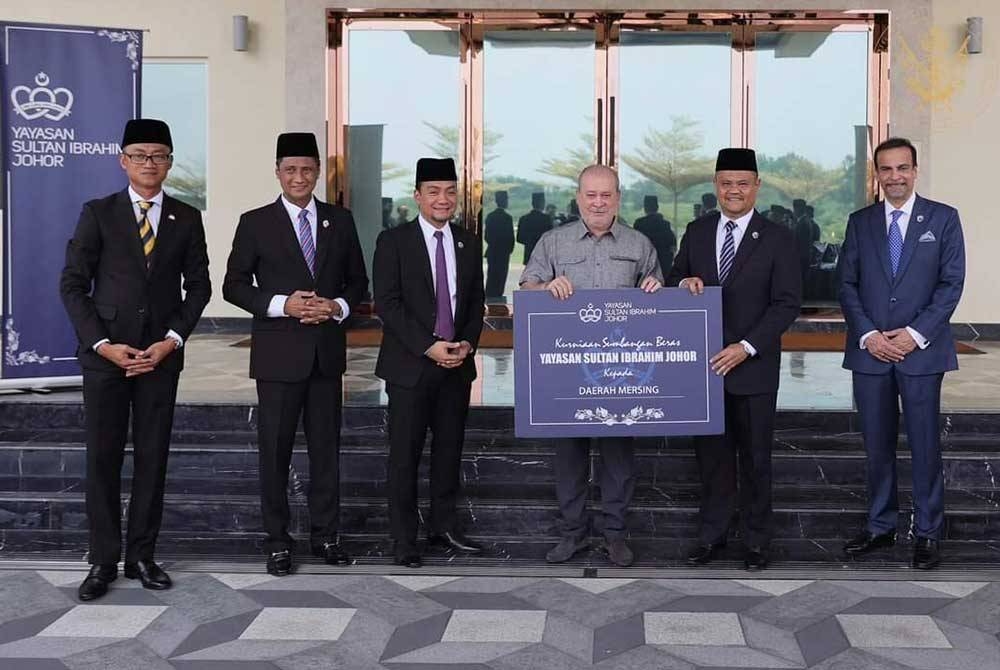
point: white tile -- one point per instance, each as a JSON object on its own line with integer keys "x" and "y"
{"x": 596, "y": 585}
{"x": 63, "y": 577}
{"x": 299, "y": 623}
{"x": 103, "y": 621}
{"x": 957, "y": 589}
{"x": 893, "y": 630}
{"x": 776, "y": 587}
{"x": 242, "y": 580}
{"x": 419, "y": 583}
{"x": 701, "y": 628}
{"x": 495, "y": 626}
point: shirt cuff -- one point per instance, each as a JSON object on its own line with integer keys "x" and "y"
{"x": 749, "y": 348}
{"x": 345, "y": 310}
{"x": 176, "y": 338}
{"x": 276, "y": 308}
{"x": 99, "y": 343}
{"x": 682, "y": 282}
{"x": 918, "y": 338}
{"x": 864, "y": 338}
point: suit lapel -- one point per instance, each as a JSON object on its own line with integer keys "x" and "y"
{"x": 914, "y": 229}
{"x": 880, "y": 238}
{"x": 461, "y": 271}
{"x": 166, "y": 230}
{"x": 324, "y": 233}
{"x": 419, "y": 246}
{"x": 749, "y": 243}
{"x": 710, "y": 250}
{"x": 130, "y": 228}
{"x": 286, "y": 233}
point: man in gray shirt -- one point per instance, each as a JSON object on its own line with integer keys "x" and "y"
{"x": 594, "y": 252}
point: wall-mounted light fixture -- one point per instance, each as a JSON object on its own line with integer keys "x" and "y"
{"x": 974, "y": 42}
{"x": 241, "y": 32}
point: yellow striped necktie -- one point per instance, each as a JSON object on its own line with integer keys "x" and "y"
{"x": 146, "y": 230}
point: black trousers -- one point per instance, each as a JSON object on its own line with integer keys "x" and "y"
{"x": 617, "y": 479}
{"x": 497, "y": 267}
{"x": 745, "y": 448}
{"x": 317, "y": 400}
{"x": 108, "y": 399}
{"x": 439, "y": 402}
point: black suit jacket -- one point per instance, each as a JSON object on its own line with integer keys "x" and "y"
{"x": 530, "y": 229}
{"x": 267, "y": 249}
{"x": 498, "y": 233}
{"x": 405, "y": 300}
{"x": 108, "y": 291}
{"x": 760, "y": 299}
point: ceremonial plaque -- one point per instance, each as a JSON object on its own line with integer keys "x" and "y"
{"x": 617, "y": 362}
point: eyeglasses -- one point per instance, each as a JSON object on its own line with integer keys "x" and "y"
{"x": 158, "y": 159}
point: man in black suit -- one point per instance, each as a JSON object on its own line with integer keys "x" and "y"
{"x": 533, "y": 225}
{"x": 296, "y": 265}
{"x": 498, "y": 233}
{"x": 428, "y": 289}
{"x": 755, "y": 263}
{"x": 131, "y": 255}
{"x": 658, "y": 230}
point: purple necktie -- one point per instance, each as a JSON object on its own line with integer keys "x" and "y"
{"x": 306, "y": 241}
{"x": 444, "y": 325}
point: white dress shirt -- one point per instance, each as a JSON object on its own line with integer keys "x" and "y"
{"x": 449, "y": 256}
{"x": 903, "y": 223}
{"x": 276, "y": 308}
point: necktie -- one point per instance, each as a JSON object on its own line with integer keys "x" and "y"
{"x": 895, "y": 240}
{"x": 444, "y": 324}
{"x": 728, "y": 253}
{"x": 146, "y": 230}
{"x": 306, "y": 241}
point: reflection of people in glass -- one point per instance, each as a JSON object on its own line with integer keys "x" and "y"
{"x": 386, "y": 213}
{"x": 402, "y": 215}
{"x": 658, "y": 230}
{"x": 573, "y": 212}
{"x": 709, "y": 203}
{"x": 697, "y": 210}
{"x": 498, "y": 233}
{"x": 804, "y": 237}
{"x": 533, "y": 225}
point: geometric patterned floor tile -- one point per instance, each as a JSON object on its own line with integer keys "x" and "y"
{"x": 727, "y": 657}
{"x": 897, "y": 630}
{"x": 618, "y": 637}
{"x": 821, "y": 640}
{"x": 805, "y": 606}
{"x": 899, "y": 606}
{"x": 441, "y": 653}
{"x": 694, "y": 628}
{"x": 292, "y": 623}
{"x": 776, "y": 587}
{"x": 979, "y": 610}
{"x": 418, "y": 582}
{"x": 956, "y": 589}
{"x": 214, "y": 633}
{"x": 124, "y": 654}
{"x": 495, "y": 626}
{"x": 596, "y": 585}
{"x": 711, "y": 604}
{"x": 125, "y": 621}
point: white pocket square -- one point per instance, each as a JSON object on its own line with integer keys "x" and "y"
{"x": 927, "y": 237}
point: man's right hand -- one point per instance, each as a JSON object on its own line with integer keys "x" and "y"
{"x": 446, "y": 354}
{"x": 122, "y": 355}
{"x": 296, "y": 304}
{"x": 882, "y": 348}
{"x": 560, "y": 287}
{"x": 693, "y": 284}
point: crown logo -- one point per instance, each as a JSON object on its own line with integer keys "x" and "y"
{"x": 590, "y": 314}
{"x": 41, "y": 102}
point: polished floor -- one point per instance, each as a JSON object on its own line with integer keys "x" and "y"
{"x": 229, "y": 619}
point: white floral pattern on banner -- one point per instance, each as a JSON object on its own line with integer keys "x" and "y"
{"x": 634, "y": 415}
{"x": 131, "y": 40}
{"x": 11, "y": 355}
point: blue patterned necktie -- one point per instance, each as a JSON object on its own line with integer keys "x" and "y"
{"x": 728, "y": 253}
{"x": 306, "y": 241}
{"x": 895, "y": 240}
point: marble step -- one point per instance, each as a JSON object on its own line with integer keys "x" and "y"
{"x": 799, "y": 513}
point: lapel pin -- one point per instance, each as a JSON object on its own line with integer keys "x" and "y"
{"x": 171, "y": 217}
{"x": 326, "y": 224}
{"x": 755, "y": 234}
{"x": 920, "y": 218}
{"x": 461, "y": 245}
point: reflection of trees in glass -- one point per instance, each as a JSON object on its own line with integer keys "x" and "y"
{"x": 187, "y": 184}
{"x": 445, "y": 142}
{"x": 393, "y": 171}
{"x": 572, "y": 165}
{"x": 670, "y": 158}
{"x": 798, "y": 177}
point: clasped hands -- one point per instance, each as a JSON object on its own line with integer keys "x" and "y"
{"x": 890, "y": 346}
{"x": 449, "y": 354}
{"x": 134, "y": 361}
{"x": 310, "y": 308}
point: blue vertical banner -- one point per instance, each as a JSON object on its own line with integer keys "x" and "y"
{"x": 67, "y": 93}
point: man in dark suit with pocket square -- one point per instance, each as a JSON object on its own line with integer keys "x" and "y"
{"x": 296, "y": 266}
{"x": 428, "y": 288}
{"x": 134, "y": 285}
{"x": 902, "y": 270}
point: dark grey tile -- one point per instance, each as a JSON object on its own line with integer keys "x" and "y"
{"x": 27, "y": 593}
{"x": 124, "y": 655}
{"x": 645, "y": 658}
{"x": 619, "y": 637}
{"x": 215, "y": 632}
{"x": 416, "y": 635}
{"x": 710, "y": 604}
{"x": 21, "y": 628}
{"x": 804, "y": 607}
{"x": 436, "y": 666}
{"x": 479, "y": 601}
{"x": 899, "y": 606}
{"x": 821, "y": 640}
{"x": 538, "y": 656}
{"x": 224, "y": 665}
{"x": 270, "y": 598}
{"x": 33, "y": 664}
{"x": 856, "y": 659}
{"x": 979, "y": 610}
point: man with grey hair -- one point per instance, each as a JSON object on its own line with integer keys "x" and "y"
{"x": 595, "y": 252}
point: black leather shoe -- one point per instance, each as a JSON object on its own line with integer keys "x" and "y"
{"x": 150, "y": 574}
{"x": 704, "y": 553}
{"x": 96, "y": 583}
{"x": 866, "y": 541}
{"x": 926, "y": 553}
{"x": 279, "y": 563}
{"x": 331, "y": 553}
{"x": 454, "y": 540}
{"x": 407, "y": 556}
{"x": 755, "y": 559}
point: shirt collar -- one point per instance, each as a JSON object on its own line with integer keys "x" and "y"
{"x": 135, "y": 197}
{"x": 293, "y": 209}
{"x": 907, "y": 207}
{"x": 741, "y": 223}
{"x": 583, "y": 231}
{"x": 429, "y": 228}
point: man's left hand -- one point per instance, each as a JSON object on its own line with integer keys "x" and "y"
{"x": 902, "y": 339}
{"x": 727, "y": 359}
{"x": 319, "y": 309}
{"x": 151, "y": 357}
{"x": 650, "y": 285}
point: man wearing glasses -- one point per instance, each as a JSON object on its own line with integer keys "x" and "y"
{"x": 130, "y": 257}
